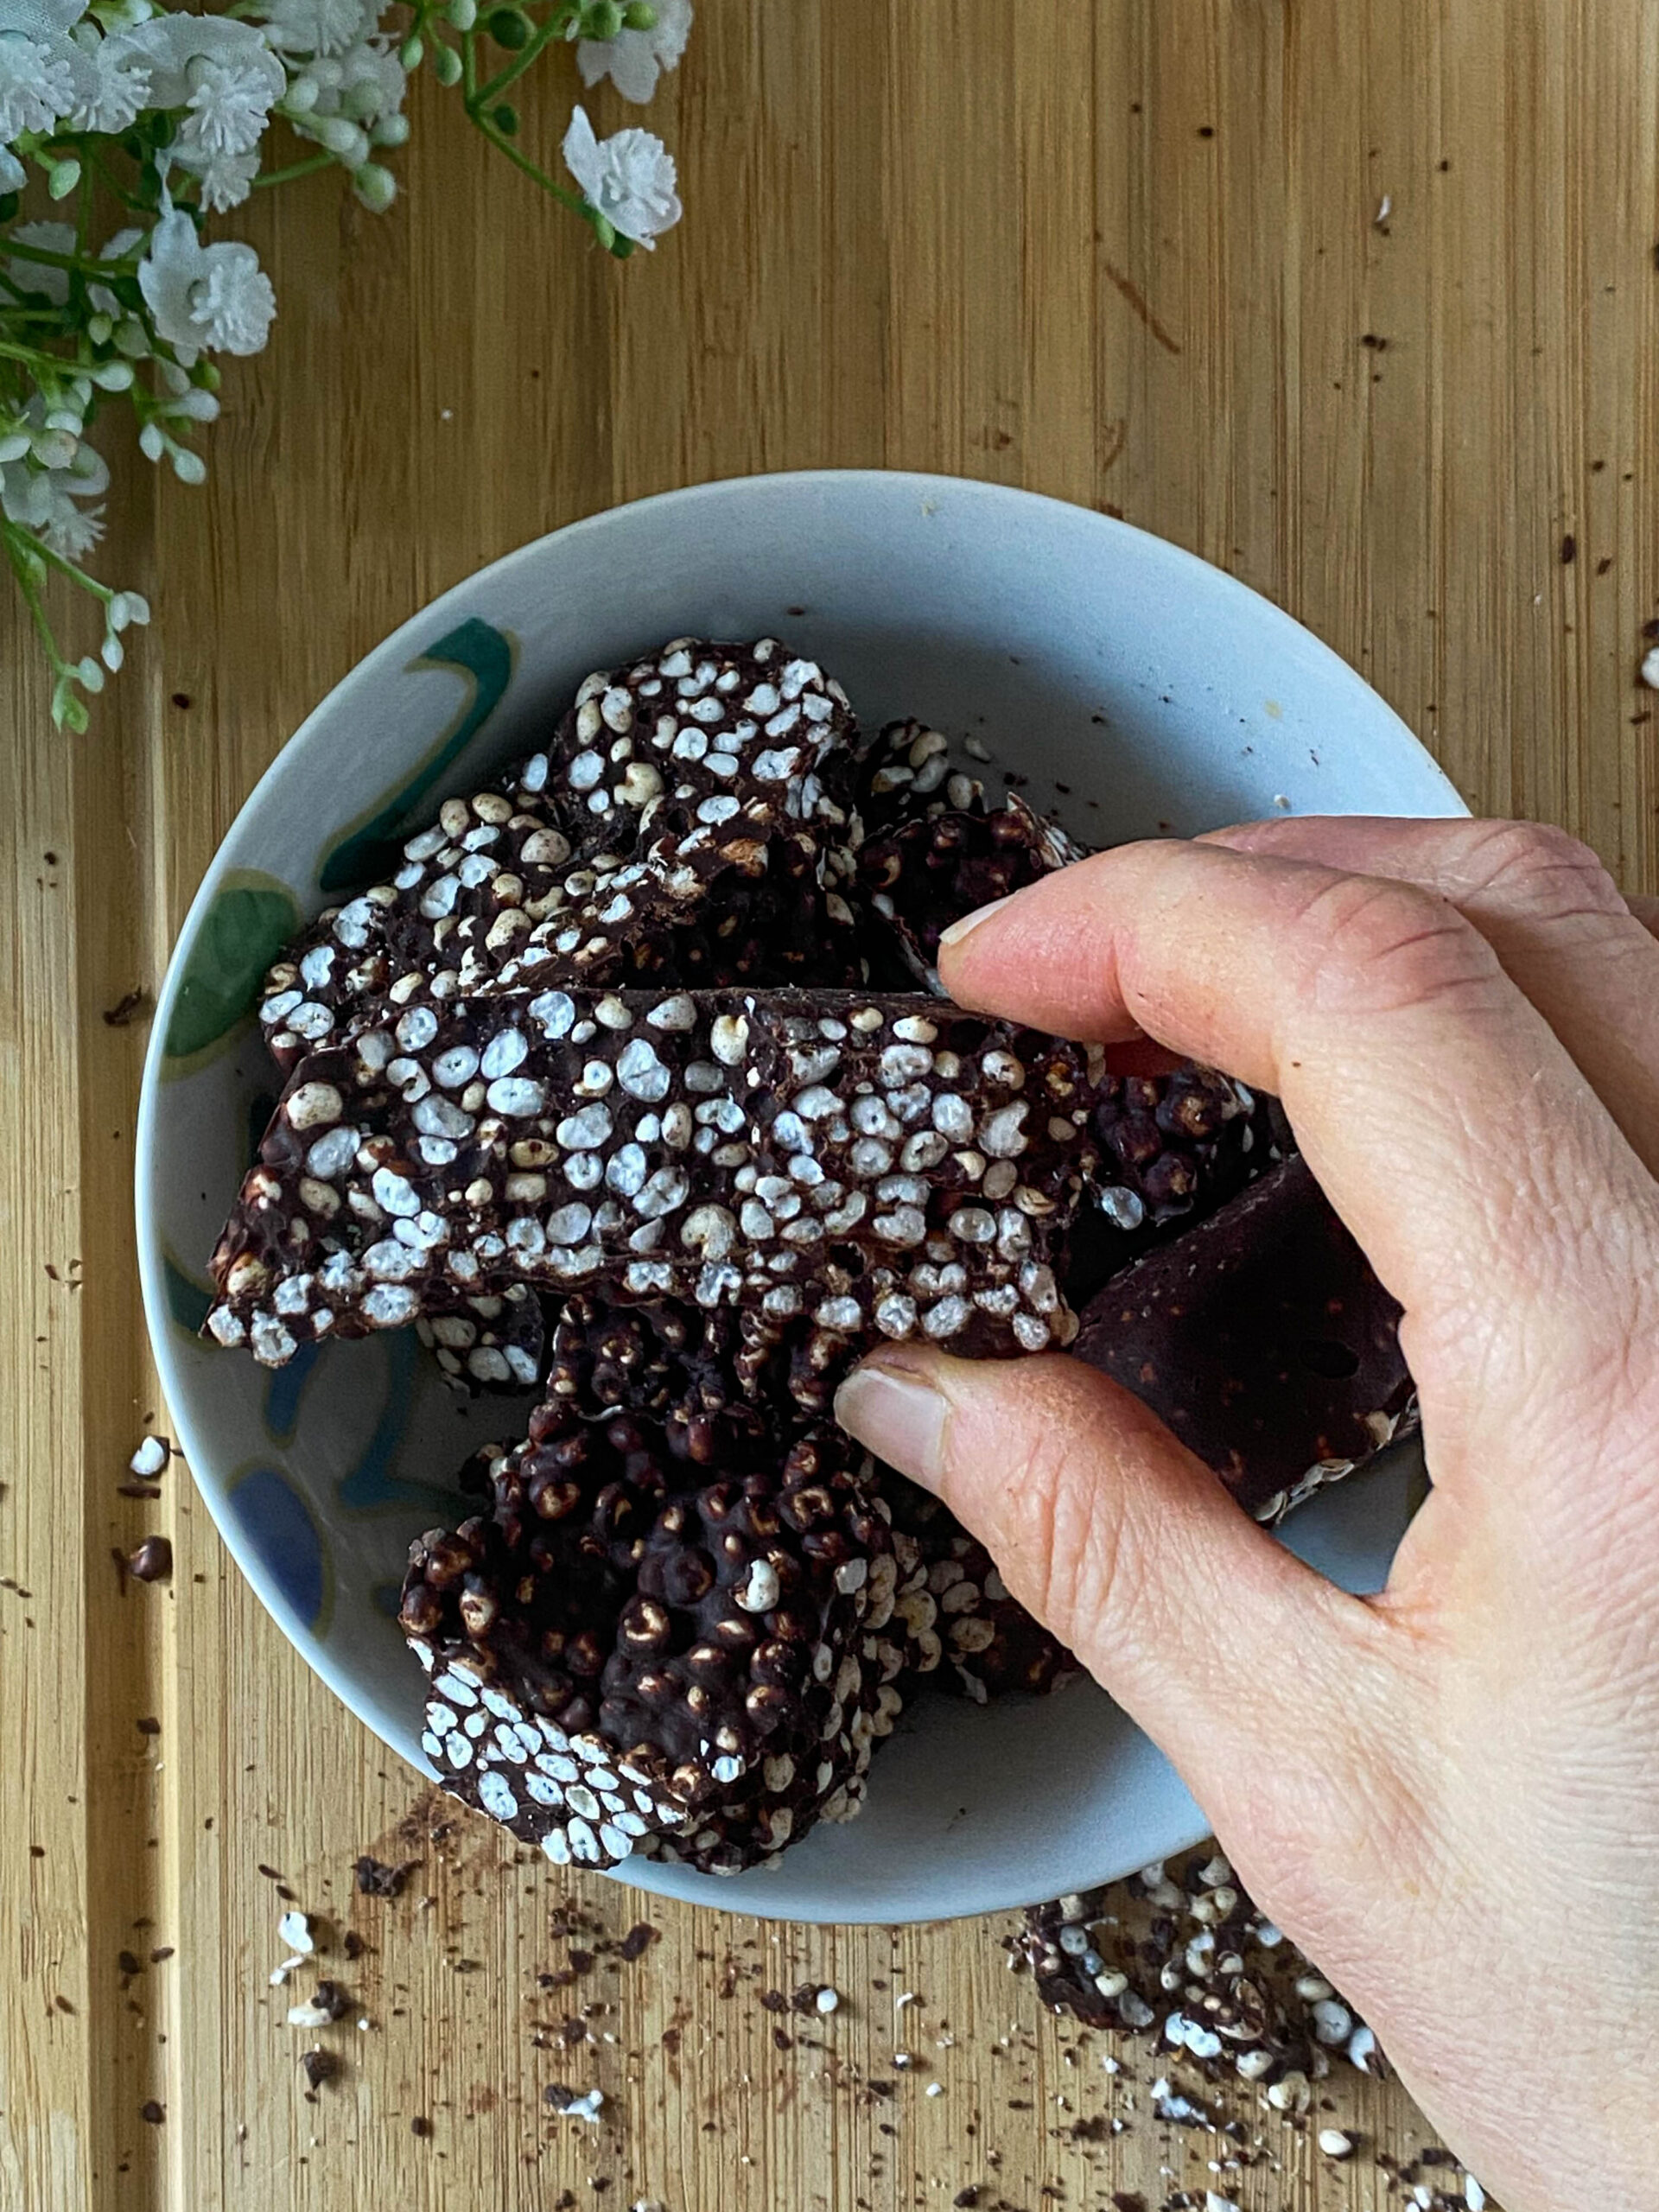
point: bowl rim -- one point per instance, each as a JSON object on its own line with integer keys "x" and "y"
{"x": 392, "y": 652}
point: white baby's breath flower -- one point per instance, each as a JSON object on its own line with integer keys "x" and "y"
{"x": 112, "y": 86}
{"x": 366, "y": 83}
{"x": 40, "y": 276}
{"x": 312, "y": 26}
{"x": 227, "y": 179}
{"x": 36, "y": 83}
{"x": 229, "y": 104}
{"x": 633, "y": 60}
{"x": 46, "y": 500}
{"x": 215, "y": 298}
{"x": 45, "y": 21}
{"x": 13, "y": 176}
{"x": 169, "y": 45}
{"x": 629, "y": 178}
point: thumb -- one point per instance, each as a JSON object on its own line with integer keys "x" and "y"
{"x": 1215, "y": 1639}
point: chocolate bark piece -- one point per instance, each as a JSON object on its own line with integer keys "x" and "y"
{"x": 626, "y": 1656}
{"x": 487, "y": 1343}
{"x": 684, "y": 1365}
{"x": 963, "y": 1628}
{"x": 686, "y": 1146}
{"x": 1172, "y": 1149}
{"x": 1180, "y": 1952}
{"x": 704, "y": 907}
{"x": 905, "y": 772}
{"x": 929, "y": 870}
{"x": 471, "y": 891}
{"x": 1264, "y": 1339}
{"x": 734, "y": 740}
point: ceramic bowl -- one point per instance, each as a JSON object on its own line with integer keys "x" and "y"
{"x": 1128, "y": 686}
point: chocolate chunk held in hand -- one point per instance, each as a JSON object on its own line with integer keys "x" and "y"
{"x": 1263, "y": 1338}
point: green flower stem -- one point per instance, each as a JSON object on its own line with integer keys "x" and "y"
{"x": 103, "y": 593}
{"x": 57, "y": 365}
{"x": 503, "y": 144}
{"x": 555, "y": 27}
{"x": 111, "y": 184}
{"x": 75, "y": 263}
{"x": 308, "y": 167}
{"x": 21, "y": 545}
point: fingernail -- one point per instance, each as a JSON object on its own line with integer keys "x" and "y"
{"x": 899, "y": 1416}
{"x": 957, "y": 931}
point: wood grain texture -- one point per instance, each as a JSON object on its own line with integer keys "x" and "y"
{"x": 1129, "y": 254}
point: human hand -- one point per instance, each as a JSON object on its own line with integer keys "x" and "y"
{"x": 1448, "y": 1794}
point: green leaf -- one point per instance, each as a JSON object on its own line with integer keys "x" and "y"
{"x": 241, "y": 934}
{"x": 375, "y": 849}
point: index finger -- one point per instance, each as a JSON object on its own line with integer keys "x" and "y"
{"x": 1446, "y": 1121}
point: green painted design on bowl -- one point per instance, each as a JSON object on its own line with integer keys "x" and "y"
{"x": 251, "y": 919}
{"x": 187, "y": 1301}
{"x": 374, "y": 849}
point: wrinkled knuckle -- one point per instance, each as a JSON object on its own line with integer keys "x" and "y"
{"x": 1379, "y": 946}
{"x": 1061, "y": 1553}
{"x": 1541, "y": 867}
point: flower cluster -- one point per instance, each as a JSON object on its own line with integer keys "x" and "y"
{"x": 141, "y": 123}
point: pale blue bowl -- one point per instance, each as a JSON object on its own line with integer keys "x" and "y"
{"x": 1137, "y": 689}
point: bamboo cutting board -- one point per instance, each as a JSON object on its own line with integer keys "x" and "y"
{"x": 1132, "y": 254}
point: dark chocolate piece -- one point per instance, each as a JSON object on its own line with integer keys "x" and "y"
{"x": 486, "y": 1342}
{"x": 1172, "y": 1149}
{"x": 728, "y": 740}
{"x": 1263, "y": 1338}
{"x": 929, "y": 870}
{"x": 963, "y": 1627}
{"x": 473, "y": 889}
{"x": 1182, "y": 1953}
{"x": 685, "y": 1147}
{"x": 905, "y": 773}
{"x": 625, "y": 1657}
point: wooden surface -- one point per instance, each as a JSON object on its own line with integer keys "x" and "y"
{"x": 1126, "y": 253}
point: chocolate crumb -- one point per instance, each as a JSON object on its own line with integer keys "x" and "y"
{"x": 319, "y": 2065}
{"x": 332, "y": 1999}
{"x": 1569, "y": 550}
{"x": 352, "y": 1944}
{"x": 149, "y": 1726}
{"x": 377, "y": 1880}
{"x": 152, "y": 2112}
{"x": 151, "y": 1561}
{"x": 1126, "y": 2200}
{"x": 637, "y": 1940}
{"x": 420, "y": 2124}
{"x": 132, "y": 1005}
{"x": 966, "y": 2199}
{"x": 162, "y": 1951}
{"x": 127, "y": 1962}
{"x": 774, "y": 2000}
